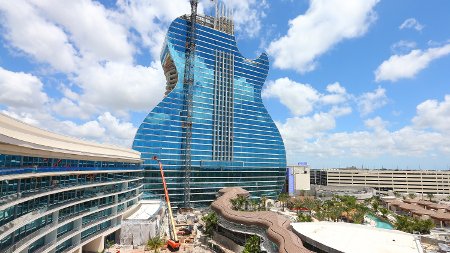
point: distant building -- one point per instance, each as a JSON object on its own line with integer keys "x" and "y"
{"x": 327, "y": 192}
{"x": 298, "y": 179}
{"x": 401, "y": 181}
{"x": 61, "y": 194}
{"x": 318, "y": 177}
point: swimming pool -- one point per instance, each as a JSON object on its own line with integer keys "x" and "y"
{"x": 380, "y": 223}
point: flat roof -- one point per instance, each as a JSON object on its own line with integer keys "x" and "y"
{"x": 355, "y": 238}
{"x": 19, "y": 138}
{"x": 147, "y": 209}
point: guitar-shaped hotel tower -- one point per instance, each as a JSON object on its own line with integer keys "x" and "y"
{"x": 211, "y": 130}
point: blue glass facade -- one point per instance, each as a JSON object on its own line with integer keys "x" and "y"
{"x": 234, "y": 140}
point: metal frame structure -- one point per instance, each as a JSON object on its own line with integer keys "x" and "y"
{"x": 188, "y": 87}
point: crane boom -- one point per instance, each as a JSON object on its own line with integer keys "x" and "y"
{"x": 188, "y": 96}
{"x": 173, "y": 241}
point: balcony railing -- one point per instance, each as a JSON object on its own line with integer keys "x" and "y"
{"x": 23, "y": 220}
{"x": 9, "y": 199}
{"x": 24, "y": 170}
{"x": 50, "y": 227}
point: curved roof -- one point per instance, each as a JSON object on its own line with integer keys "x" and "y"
{"x": 355, "y": 238}
{"x": 19, "y": 138}
{"x": 278, "y": 227}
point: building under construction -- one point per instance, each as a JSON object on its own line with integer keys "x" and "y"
{"x": 211, "y": 130}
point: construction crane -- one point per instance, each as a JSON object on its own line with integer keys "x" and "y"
{"x": 173, "y": 243}
{"x": 188, "y": 94}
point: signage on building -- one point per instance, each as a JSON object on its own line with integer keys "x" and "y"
{"x": 302, "y": 163}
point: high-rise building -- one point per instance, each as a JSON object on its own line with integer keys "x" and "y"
{"x": 61, "y": 194}
{"x": 211, "y": 130}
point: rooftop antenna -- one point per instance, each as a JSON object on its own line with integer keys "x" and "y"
{"x": 216, "y": 7}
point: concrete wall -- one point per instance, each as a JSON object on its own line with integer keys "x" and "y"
{"x": 227, "y": 243}
{"x": 97, "y": 245}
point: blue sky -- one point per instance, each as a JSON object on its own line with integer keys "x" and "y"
{"x": 352, "y": 83}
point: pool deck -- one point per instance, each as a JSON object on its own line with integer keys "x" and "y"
{"x": 355, "y": 238}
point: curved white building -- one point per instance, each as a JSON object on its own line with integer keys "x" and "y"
{"x": 61, "y": 194}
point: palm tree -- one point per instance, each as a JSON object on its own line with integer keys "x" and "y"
{"x": 412, "y": 195}
{"x": 375, "y": 206}
{"x": 254, "y": 203}
{"x": 240, "y": 202}
{"x": 211, "y": 221}
{"x": 234, "y": 203}
{"x": 283, "y": 198}
{"x": 384, "y": 212}
{"x": 155, "y": 243}
{"x": 262, "y": 202}
{"x": 397, "y": 194}
{"x": 252, "y": 245}
{"x": 430, "y": 196}
{"x": 303, "y": 218}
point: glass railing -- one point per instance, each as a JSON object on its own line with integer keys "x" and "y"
{"x": 66, "y": 234}
{"x": 12, "y": 171}
{"x": 10, "y": 198}
{"x": 29, "y": 216}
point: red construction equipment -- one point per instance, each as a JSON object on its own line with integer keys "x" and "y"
{"x": 173, "y": 243}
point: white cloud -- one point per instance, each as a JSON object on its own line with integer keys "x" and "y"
{"x": 117, "y": 86}
{"x": 370, "y": 101}
{"x": 151, "y": 18}
{"x": 372, "y": 143}
{"x": 411, "y": 23}
{"x": 27, "y": 31}
{"x": 377, "y": 123}
{"x": 299, "y": 98}
{"x": 433, "y": 114}
{"x": 299, "y": 129}
{"x": 67, "y": 108}
{"x": 20, "y": 90}
{"x": 326, "y": 23}
{"x": 248, "y": 15}
{"x": 313, "y": 137}
{"x": 337, "y": 95}
{"x": 88, "y": 130}
{"x": 116, "y": 128}
{"x": 407, "y": 66}
{"x": 91, "y": 27}
{"x": 106, "y": 128}
{"x": 403, "y": 46}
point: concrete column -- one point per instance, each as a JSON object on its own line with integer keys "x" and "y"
{"x": 51, "y": 237}
{"x": 76, "y": 240}
{"x": 96, "y": 245}
{"x": 55, "y": 216}
{"x": 77, "y": 224}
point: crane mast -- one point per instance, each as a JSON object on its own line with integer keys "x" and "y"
{"x": 188, "y": 94}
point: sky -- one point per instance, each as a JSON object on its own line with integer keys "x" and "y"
{"x": 362, "y": 83}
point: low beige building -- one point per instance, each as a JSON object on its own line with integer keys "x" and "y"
{"x": 436, "y": 182}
